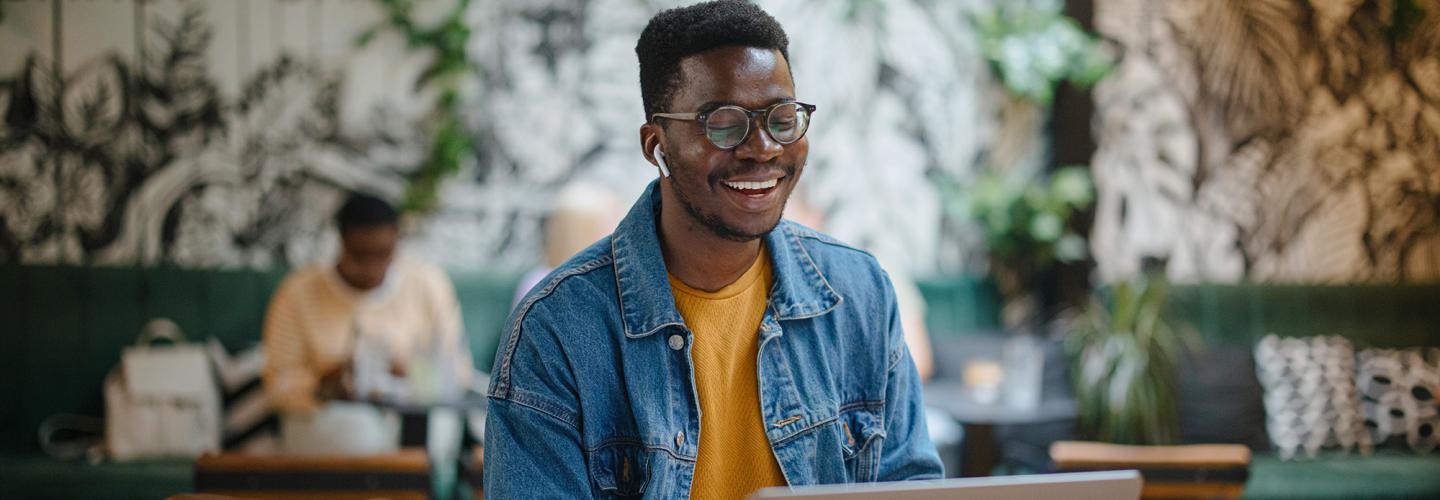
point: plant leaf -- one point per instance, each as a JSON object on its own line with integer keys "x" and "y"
{"x": 1248, "y": 57}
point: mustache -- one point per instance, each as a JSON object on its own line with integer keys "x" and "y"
{"x": 751, "y": 168}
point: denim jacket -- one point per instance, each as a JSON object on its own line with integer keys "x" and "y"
{"x": 593, "y": 392}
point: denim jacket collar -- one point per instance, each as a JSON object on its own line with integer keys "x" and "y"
{"x": 646, "y": 302}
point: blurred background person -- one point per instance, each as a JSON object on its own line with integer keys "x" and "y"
{"x": 398, "y": 309}
{"x": 580, "y": 215}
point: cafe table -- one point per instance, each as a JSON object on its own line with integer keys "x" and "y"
{"x": 980, "y": 451}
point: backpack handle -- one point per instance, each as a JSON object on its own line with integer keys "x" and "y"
{"x": 160, "y": 329}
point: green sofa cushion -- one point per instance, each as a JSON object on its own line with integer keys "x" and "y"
{"x": 1368, "y": 315}
{"x": 1389, "y": 474}
{"x": 41, "y": 478}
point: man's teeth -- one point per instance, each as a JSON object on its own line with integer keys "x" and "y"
{"x": 753, "y": 185}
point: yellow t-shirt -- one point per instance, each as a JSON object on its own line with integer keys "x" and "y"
{"x": 735, "y": 457}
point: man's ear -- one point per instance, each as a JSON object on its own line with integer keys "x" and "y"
{"x": 650, "y": 135}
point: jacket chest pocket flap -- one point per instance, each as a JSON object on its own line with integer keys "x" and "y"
{"x": 620, "y": 470}
{"x": 861, "y": 430}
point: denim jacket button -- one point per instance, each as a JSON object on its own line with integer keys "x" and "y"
{"x": 677, "y": 342}
{"x": 679, "y": 437}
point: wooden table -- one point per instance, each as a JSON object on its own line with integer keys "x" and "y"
{"x": 401, "y": 475}
{"x": 414, "y": 431}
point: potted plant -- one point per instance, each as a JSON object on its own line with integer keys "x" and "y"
{"x": 1124, "y": 359}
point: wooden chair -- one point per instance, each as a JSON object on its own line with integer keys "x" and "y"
{"x": 1187, "y": 471}
{"x": 401, "y": 476}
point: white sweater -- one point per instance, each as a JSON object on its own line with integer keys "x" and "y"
{"x": 311, "y": 326}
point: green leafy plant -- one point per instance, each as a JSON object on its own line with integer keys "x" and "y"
{"x": 1027, "y": 221}
{"x": 1034, "y": 46}
{"x": 450, "y": 141}
{"x": 1025, "y": 216}
{"x": 1124, "y": 360}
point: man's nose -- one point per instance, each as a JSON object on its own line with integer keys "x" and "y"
{"x": 759, "y": 147}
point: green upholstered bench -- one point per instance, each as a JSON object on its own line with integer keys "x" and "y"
{"x": 64, "y": 328}
{"x": 1220, "y": 393}
{"x": 1388, "y": 474}
{"x": 36, "y": 476}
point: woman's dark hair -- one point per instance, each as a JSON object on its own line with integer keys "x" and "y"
{"x": 362, "y": 211}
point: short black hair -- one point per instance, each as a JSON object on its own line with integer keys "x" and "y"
{"x": 676, "y": 33}
{"x": 362, "y": 211}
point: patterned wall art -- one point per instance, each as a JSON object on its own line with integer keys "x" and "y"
{"x": 128, "y": 139}
{"x": 1271, "y": 140}
{"x": 1265, "y": 140}
{"x": 222, "y": 134}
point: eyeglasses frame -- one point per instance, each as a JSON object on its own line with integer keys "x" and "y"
{"x": 750, "y": 114}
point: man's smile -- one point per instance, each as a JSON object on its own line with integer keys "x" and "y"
{"x": 754, "y": 194}
{"x": 751, "y": 186}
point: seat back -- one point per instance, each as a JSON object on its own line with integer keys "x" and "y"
{"x": 401, "y": 475}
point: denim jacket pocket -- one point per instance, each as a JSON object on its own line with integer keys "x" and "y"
{"x": 620, "y": 470}
{"x": 861, "y": 429}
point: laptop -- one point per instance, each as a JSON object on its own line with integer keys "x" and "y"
{"x": 1104, "y": 485}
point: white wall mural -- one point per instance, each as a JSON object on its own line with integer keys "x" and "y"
{"x": 222, "y": 134}
{"x": 1271, "y": 140}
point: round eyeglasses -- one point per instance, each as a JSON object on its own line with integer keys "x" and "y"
{"x": 728, "y": 126}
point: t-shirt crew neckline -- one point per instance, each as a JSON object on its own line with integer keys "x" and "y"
{"x": 741, "y": 284}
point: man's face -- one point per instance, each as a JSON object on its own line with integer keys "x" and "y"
{"x": 365, "y": 255}
{"x": 703, "y": 177}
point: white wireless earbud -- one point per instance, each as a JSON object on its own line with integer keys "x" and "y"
{"x": 660, "y": 158}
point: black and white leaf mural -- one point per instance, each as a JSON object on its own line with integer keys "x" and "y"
{"x": 222, "y": 134}
{"x": 1271, "y": 140}
{"x": 119, "y": 161}
{"x": 1265, "y": 140}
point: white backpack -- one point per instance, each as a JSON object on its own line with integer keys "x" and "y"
{"x": 162, "y": 401}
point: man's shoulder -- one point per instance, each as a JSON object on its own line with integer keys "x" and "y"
{"x": 546, "y": 319}
{"x": 827, "y": 251}
{"x": 853, "y": 274}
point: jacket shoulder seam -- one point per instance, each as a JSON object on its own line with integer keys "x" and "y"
{"x": 525, "y": 399}
{"x": 810, "y": 234}
{"x": 502, "y": 380}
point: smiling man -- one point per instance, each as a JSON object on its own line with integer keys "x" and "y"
{"x": 707, "y": 348}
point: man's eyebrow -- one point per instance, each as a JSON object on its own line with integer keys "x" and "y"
{"x": 713, "y": 105}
